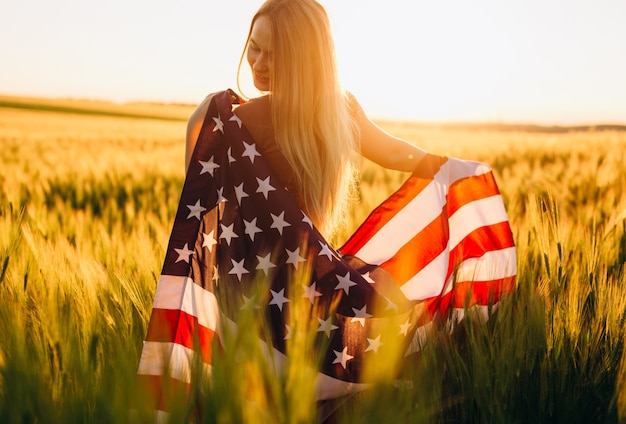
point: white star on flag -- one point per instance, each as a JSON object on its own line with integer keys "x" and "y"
{"x": 184, "y": 253}
{"x": 326, "y": 326}
{"x": 360, "y": 315}
{"x": 249, "y": 303}
{"x": 390, "y": 305}
{"x": 209, "y": 240}
{"x": 306, "y": 219}
{"x": 404, "y": 328}
{"x": 250, "y": 151}
{"x": 278, "y": 299}
{"x": 219, "y": 125}
{"x": 236, "y": 119}
{"x": 342, "y": 357}
{"x": 238, "y": 268}
{"x": 208, "y": 166}
{"x": 264, "y": 263}
{"x": 216, "y": 274}
{"x": 369, "y": 279}
{"x": 195, "y": 210}
{"x": 279, "y": 222}
{"x": 374, "y": 344}
{"x": 220, "y": 195}
{"x": 288, "y": 335}
{"x": 264, "y": 186}
{"x": 344, "y": 282}
{"x": 310, "y": 292}
{"x": 325, "y": 251}
{"x": 294, "y": 257}
{"x": 240, "y": 193}
{"x": 227, "y": 233}
{"x": 251, "y": 228}
{"x": 231, "y": 159}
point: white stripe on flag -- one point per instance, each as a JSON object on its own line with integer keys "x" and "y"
{"x": 492, "y": 265}
{"x": 473, "y": 215}
{"x": 170, "y": 359}
{"x": 174, "y": 292}
{"x": 418, "y": 213}
{"x": 408, "y": 222}
{"x": 480, "y": 213}
{"x": 457, "y": 169}
{"x": 327, "y": 387}
{"x": 420, "y": 337}
{"x": 429, "y": 281}
{"x": 476, "y": 312}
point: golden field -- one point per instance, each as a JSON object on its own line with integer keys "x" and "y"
{"x": 88, "y": 194}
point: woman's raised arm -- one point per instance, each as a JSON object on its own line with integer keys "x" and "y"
{"x": 383, "y": 148}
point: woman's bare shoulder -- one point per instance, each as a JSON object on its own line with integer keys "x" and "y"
{"x": 255, "y": 112}
{"x": 254, "y": 106}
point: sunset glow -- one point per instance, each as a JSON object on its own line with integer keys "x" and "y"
{"x": 523, "y": 61}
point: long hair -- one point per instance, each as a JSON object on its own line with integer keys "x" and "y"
{"x": 311, "y": 115}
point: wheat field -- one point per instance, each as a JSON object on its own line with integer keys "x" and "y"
{"x": 88, "y": 194}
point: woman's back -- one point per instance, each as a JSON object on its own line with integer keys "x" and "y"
{"x": 257, "y": 119}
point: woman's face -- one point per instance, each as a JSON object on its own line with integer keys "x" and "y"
{"x": 260, "y": 55}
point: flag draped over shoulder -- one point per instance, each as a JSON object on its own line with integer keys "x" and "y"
{"x": 439, "y": 245}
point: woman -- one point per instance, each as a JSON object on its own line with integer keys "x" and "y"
{"x": 307, "y": 127}
{"x": 267, "y": 184}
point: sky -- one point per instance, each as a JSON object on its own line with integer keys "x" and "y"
{"x": 552, "y": 62}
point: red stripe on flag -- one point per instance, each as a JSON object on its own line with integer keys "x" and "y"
{"x": 467, "y": 294}
{"x": 176, "y": 326}
{"x": 470, "y": 293}
{"x": 163, "y": 393}
{"x": 431, "y": 306}
{"x": 419, "y": 251}
{"x": 470, "y": 189}
{"x": 381, "y": 215}
{"x": 480, "y": 241}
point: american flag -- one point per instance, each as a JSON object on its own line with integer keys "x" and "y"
{"x": 439, "y": 245}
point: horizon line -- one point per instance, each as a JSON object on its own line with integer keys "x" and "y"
{"x": 552, "y": 126}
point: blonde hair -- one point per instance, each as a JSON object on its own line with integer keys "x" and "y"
{"x": 311, "y": 114}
